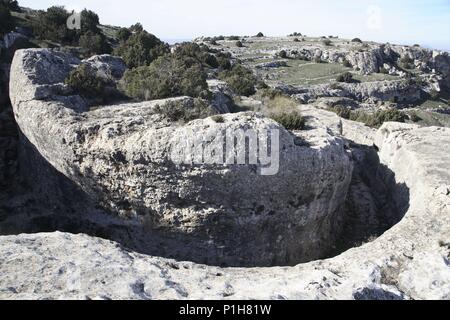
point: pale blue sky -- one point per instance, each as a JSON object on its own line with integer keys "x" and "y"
{"x": 426, "y": 22}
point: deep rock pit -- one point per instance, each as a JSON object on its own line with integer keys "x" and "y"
{"x": 108, "y": 173}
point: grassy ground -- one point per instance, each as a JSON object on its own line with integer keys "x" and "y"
{"x": 299, "y": 73}
{"x": 432, "y": 118}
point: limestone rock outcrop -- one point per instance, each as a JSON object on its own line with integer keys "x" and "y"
{"x": 401, "y": 90}
{"x": 112, "y": 174}
{"x": 410, "y": 261}
{"x": 121, "y": 157}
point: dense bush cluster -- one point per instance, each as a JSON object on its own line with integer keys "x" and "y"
{"x": 407, "y": 62}
{"x": 292, "y": 120}
{"x": 260, "y": 35}
{"x": 85, "y": 82}
{"x": 94, "y": 43}
{"x": 282, "y": 54}
{"x": 198, "y": 53}
{"x": 343, "y": 112}
{"x": 358, "y": 40}
{"x": 140, "y": 48}
{"x": 123, "y": 34}
{"x": 52, "y": 25}
{"x": 241, "y": 80}
{"x": 168, "y": 76}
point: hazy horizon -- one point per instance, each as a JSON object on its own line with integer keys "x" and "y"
{"x": 400, "y": 22}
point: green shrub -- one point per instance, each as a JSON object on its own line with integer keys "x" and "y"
{"x": 358, "y": 40}
{"x": 168, "y": 76}
{"x": 345, "y": 77}
{"x": 52, "y": 25}
{"x": 123, "y": 34}
{"x": 420, "y": 81}
{"x": 241, "y": 80}
{"x": 233, "y": 38}
{"x": 198, "y": 53}
{"x": 136, "y": 28}
{"x": 270, "y": 93}
{"x": 434, "y": 94}
{"x": 141, "y": 49}
{"x": 218, "y": 119}
{"x": 282, "y": 54}
{"x": 85, "y": 82}
{"x": 89, "y": 21}
{"x": 383, "y": 116}
{"x": 224, "y": 63}
{"x": 296, "y": 40}
{"x": 6, "y": 20}
{"x": 239, "y": 44}
{"x": 94, "y": 43}
{"x": 414, "y": 117}
{"x": 341, "y": 111}
{"x": 377, "y": 119}
{"x": 327, "y": 42}
{"x": 407, "y": 62}
{"x": 260, "y": 35}
{"x": 290, "y": 120}
{"x": 177, "y": 111}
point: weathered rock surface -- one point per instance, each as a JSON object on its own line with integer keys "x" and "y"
{"x": 375, "y": 91}
{"x": 121, "y": 158}
{"x": 408, "y": 73}
{"x": 410, "y": 261}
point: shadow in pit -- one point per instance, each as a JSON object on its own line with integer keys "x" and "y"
{"x": 375, "y": 201}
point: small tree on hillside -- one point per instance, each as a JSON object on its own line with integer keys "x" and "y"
{"x": 141, "y": 49}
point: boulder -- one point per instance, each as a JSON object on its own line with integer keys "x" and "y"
{"x": 108, "y": 67}
{"x": 122, "y": 157}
